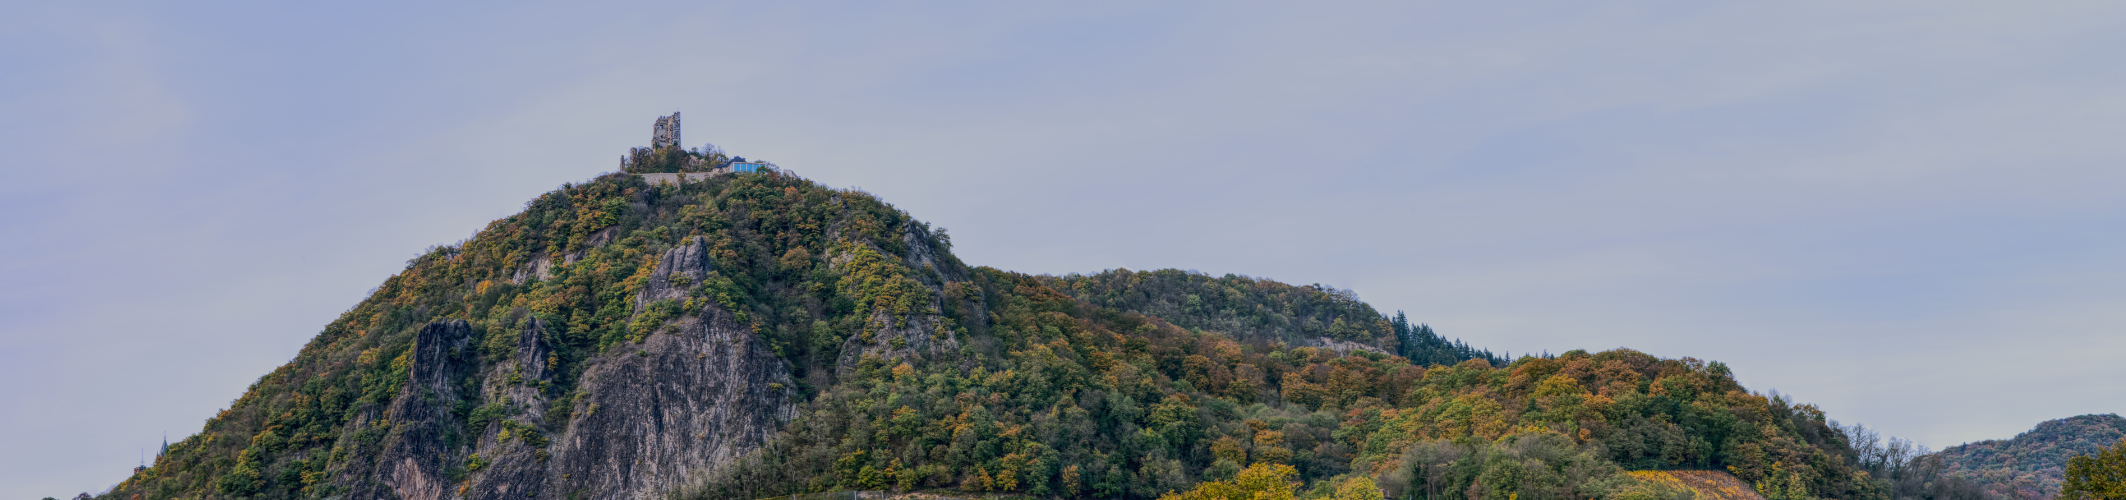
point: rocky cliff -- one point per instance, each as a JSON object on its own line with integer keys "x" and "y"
{"x": 652, "y": 415}
{"x": 418, "y": 448}
{"x": 644, "y": 419}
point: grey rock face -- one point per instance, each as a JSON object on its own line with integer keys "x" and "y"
{"x": 677, "y": 271}
{"x": 920, "y": 255}
{"x": 517, "y": 463}
{"x": 1343, "y": 347}
{"x": 416, "y": 451}
{"x": 668, "y": 411}
{"x": 645, "y": 418}
{"x": 535, "y": 269}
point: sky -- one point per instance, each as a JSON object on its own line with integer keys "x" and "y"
{"x": 1907, "y": 213}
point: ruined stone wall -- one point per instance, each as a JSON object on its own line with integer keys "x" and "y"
{"x": 682, "y": 178}
{"x": 666, "y": 132}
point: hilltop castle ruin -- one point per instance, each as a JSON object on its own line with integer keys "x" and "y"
{"x": 666, "y": 132}
{"x": 665, "y": 161}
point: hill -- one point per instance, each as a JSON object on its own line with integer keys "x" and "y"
{"x": 2034, "y": 463}
{"x": 759, "y": 334}
{"x": 1257, "y": 310}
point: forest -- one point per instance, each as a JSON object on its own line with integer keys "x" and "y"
{"x": 1115, "y": 385}
{"x": 2033, "y": 463}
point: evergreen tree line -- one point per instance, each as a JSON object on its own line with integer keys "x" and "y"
{"x": 1421, "y": 345}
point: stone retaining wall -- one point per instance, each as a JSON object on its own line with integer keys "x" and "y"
{"x": 677, "y": 178}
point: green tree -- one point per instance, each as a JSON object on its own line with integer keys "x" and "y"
{"x": 2099, "y": 476}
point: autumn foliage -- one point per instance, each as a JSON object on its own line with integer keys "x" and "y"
{"x": 1121, "y": 384}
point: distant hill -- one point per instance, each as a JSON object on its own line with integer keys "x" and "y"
{"x": 2033, "y": 462}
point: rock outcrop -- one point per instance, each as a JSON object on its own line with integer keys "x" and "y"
{"x": 676, "y": 270}
{"x": 916, "y": 336}
{"x": 417, "y": 451}
{"x": 513, "y": 445}
{"x": 645, "y": 417}
{"x": 670, "y": 410}
{"x": 1344, "y": 347}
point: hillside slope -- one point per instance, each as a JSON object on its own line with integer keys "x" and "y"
{"x": 760, "y": 334}
{"x": 2034, "y": 463}
{"x": 1257, "y": 310}
{"x": 614, "y": 337}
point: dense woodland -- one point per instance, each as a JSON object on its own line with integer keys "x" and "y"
{"x": 1118, "y": 385}
{"x": 1257, "y": 311}
{"x": 2033, "y": 463}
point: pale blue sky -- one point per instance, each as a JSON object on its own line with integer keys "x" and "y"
{"x": 1908, "y": 213}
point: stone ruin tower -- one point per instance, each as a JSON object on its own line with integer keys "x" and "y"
{"x": 657, "y": 158}
{"x": 666, "y": 133}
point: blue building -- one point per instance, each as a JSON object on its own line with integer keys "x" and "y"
{"x": 747, "y": 167}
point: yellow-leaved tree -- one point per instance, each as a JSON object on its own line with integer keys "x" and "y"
{"x": 1261, "y": 481}
{"x": 1359, "y": 488}
{"x": 2099, "y": 476}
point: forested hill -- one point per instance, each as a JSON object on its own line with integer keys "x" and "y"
{"x": 1258, "y": 310}
{"x": 758, "y": 334}
{"x": 2034, "y": 462}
